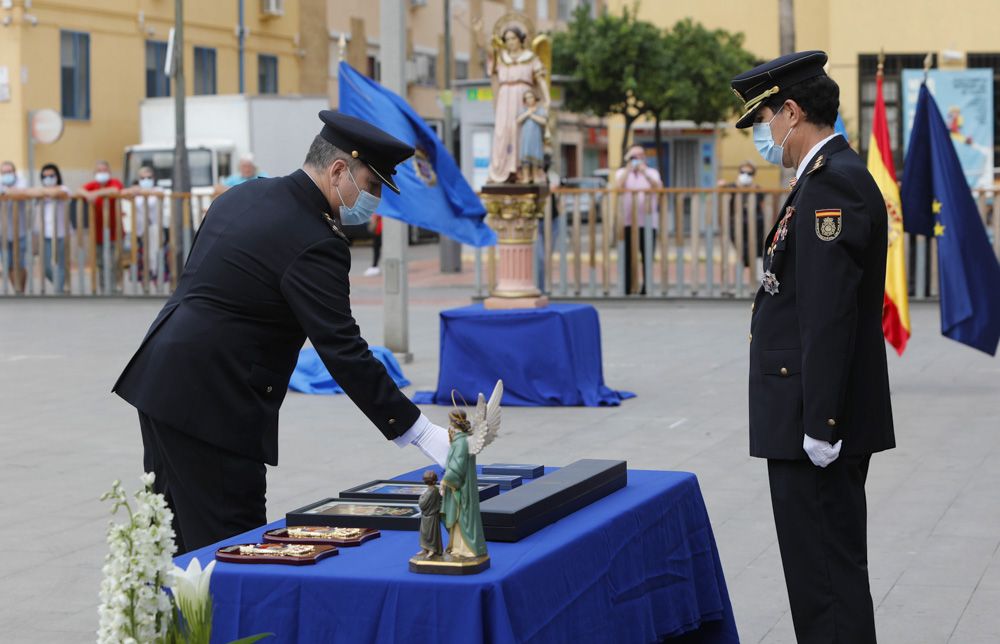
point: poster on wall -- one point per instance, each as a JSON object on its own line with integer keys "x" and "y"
{"x": 481, "y": 144}
{"x": 965, "y": 98}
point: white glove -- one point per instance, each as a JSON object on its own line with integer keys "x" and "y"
{"x": 431, "y": 439}
{"x": 820, "y": 452}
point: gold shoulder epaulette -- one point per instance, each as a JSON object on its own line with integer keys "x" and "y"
{"x": 335, "y": 228}
{"x": 817, "y": 164}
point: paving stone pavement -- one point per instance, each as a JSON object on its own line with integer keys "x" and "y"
{"x": 934, "y": 502}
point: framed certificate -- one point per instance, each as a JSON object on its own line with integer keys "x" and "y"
{"x": 357, "y": 513}
{"x": 389, "y": 490}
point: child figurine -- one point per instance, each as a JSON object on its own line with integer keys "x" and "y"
{"x": 430, "y": 521}
{"x": 531, "y": 153}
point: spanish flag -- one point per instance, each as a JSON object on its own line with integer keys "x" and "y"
{"x": 895, "y": 307}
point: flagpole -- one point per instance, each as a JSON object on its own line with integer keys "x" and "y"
{"x": 923, "y": 243}
{"x": 395, "y": 307}
{"x": 449, "y": 250}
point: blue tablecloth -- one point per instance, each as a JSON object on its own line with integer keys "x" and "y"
{"x": 311, "y": 376}
{"x": 545, "y": 357}
{"x": 636, "y": 566}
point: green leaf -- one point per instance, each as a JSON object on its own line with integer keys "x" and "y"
{"x": 252, "y": 638}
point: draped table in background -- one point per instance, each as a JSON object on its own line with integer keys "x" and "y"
{"x": 546, "y": 357}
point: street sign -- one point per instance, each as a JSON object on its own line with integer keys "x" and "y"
{"x": 46, "y": 126}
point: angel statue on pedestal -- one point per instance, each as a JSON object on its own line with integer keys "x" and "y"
{"x": 466, "y": 550}
{"x": 514, "y": 70}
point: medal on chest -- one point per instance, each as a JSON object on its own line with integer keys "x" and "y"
{"x": 770, "y": 280}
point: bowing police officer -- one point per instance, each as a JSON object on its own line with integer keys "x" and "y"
{"x": 819, "y": 386}
{"x": 268, "y": 269}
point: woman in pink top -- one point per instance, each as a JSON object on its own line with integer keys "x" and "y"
{"x": 636, "y": 175}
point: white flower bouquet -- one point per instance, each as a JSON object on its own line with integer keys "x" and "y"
{"x": 135, "y": 607}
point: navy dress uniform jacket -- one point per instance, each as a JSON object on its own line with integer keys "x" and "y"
{"x": 266, "y": 271}
{"x": 817, "y": 354}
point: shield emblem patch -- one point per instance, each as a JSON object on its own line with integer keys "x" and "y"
{"x": 828, "y": 224}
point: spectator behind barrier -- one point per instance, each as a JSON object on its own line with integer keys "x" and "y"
{"x": 12, "y": 184}
{"x": 145, "y": 212}
{"x": 101, "y": 192}
{"x": 54, "y": 224}
{"x": 246, "y": 170}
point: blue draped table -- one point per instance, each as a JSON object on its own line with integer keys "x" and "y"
{"x": 636, "y": 566}
{"x": 312, "y": 377}
{"x": 545, "y": 357}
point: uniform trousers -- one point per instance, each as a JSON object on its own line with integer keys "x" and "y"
{"x": 821, "y": 519}
{"x": 213, "y": 493}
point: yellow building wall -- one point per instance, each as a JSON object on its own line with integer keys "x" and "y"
{"x": 118, "y": 32}
{"x": 842, "y": 28}
{"x": 12, "y": 112}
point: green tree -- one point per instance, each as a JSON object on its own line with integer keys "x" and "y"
{"x": 611, "y": 60}
{"x": 693, "y": 81}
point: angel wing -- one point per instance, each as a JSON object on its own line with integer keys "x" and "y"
{"x": 542, "y": 46}
{"x": 486, "y": 420}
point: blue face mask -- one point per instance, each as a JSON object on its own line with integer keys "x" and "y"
{"x": 764, "y": 141}
{"x": 363, "y": 208}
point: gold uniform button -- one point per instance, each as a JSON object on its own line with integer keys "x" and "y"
{"x": 752, "y": 304}
{"x": 268, "y": 390}
{"x": 831, "y": 422}
{"x": 750, "y": 337}
{"x": 784, "y": 371}
{"x": 392, "y": 421}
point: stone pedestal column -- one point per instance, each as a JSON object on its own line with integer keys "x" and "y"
{"x": 513, "y": 211}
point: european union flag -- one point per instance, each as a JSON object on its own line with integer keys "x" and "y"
{"x": 937, "y": 201}
{"x": 434, "y": 194}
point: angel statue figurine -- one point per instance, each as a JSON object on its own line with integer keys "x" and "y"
{"x": 515, "y": 69}
{"x": 465, "y": 553}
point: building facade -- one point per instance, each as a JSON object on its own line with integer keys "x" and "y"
{"x": 958, "y": 34}
{"x": 94, "y": 62}
{"x": 579, "y": 141}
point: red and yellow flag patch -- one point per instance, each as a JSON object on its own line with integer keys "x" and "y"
{"x": 829, "y": 223}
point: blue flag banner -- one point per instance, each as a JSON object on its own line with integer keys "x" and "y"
{"x": 433, "y": 192}
{"x": 937, "y": 201}
{"x": 840, "y": 129}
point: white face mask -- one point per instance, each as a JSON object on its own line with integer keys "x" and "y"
{"x": 8, "y": 178}
{"x": 146, "y": 183}
{"x": 102, "y": 177}
{"x": 49, "y": 181}
{"x": 744, "y": 179}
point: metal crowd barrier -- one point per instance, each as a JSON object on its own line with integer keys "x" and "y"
{"x": 52, "y": 245}
{"x": 706, "y": 243}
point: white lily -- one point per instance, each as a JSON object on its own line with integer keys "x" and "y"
{"x": 191, "y": 585}
{"x": 190, "y": 589}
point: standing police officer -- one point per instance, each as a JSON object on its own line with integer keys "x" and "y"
{"x": 268, "y": 268}
{"x": 819, "y": 385}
